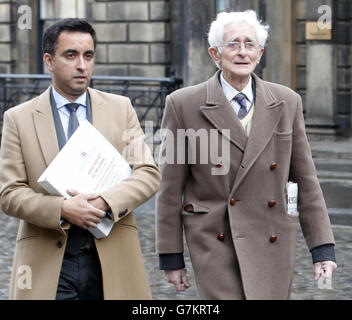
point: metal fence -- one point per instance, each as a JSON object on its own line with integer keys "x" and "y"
{"x": 147, "y": 94}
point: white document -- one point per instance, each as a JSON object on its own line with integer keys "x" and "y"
{"x": 292, "y": 196}
{"x": 87, "y": 163}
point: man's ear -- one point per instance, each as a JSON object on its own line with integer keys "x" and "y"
{"x": 214, "y": 54}
{"x": 48, "y": 60}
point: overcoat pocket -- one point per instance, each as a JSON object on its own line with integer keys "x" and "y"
{"x": 191, "y": 208}
{"x": 283, "y": 134}
{"x": 26, "y": 236}
{"x": 128, "y": 226}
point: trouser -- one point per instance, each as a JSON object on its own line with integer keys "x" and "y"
{"x": 80, "y": 277}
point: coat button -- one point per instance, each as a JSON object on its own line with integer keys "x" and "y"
{"x": 189, "y": 208}
{"x": 272, "y": 238}
{"x": 59, "y": 244}
{"x": 220, "y": 237}
{"x": 122, "y": 213}
{"x": 271, "y": 203}
{"x": 273, "y": 166}
{"x": 232, "y": 201}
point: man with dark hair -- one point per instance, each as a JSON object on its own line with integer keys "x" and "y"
{"x": 63, "y": 260}
{"x": 51, "y": 35}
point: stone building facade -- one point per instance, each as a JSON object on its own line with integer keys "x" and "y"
{"x": 152, "y": 38}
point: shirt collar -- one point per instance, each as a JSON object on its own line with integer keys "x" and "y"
{"x": 230, "y": 92}
{"x": 61, "y": 100}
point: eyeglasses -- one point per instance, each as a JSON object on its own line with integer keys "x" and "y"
{"x": 236, "y": 45}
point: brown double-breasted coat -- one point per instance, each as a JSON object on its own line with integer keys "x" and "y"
{"x": 241, "y": 240}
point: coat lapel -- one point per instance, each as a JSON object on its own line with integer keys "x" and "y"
{"x": 45, "y": 127}
{"x": 98, "y": 117}
{"x": 266, "y": 116}
{"x": 221, "y": 115}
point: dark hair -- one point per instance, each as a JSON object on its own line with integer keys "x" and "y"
{"x": 71, "y": 24}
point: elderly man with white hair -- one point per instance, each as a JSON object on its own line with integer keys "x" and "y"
{"x": 240, "y": 223}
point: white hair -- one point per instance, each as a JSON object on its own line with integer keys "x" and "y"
{"x": 216, "y": 32}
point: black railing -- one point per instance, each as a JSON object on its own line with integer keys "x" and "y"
{"x": 147, "y": 94}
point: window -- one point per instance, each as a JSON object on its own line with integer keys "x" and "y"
{"x": 220, "y": 5}
{"x": 51, "y": 11}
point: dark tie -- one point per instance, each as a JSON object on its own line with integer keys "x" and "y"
{"x": 73, "y": 120}
{"x": 241, "y": 99}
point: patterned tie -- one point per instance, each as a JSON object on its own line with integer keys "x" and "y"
{"x": 73, "y": 120}
{"x": 241, "y": 99}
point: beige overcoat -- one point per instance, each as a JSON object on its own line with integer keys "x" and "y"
{"x": 29, "y": 144}
{"x": 241, "y": 240}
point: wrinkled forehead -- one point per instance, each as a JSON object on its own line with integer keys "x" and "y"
{"x": 241, "y": 31}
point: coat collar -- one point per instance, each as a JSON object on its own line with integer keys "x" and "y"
{"x": 45, "y": 126}
{"x": 215, "y": 94}
{"x": 98, "y": 117}
{"x": 267, "y": 113}
{"x": 220, "y": 113}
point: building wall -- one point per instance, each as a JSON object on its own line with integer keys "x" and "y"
{"x": 149, "y": 37}
{"x": 343, "y": 57}
{"x": 337, "y": 104}
{"x": 189, "y": 45}
{"x": 6, "y": 37}
{"x": 133, "y": 36}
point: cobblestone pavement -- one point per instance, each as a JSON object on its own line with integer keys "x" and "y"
{"x": 303, "y": 287}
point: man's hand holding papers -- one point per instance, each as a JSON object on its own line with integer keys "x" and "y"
{"x": 81, "y": 211}
{"x": 85, "y": 167}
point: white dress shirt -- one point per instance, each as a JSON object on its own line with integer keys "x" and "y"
{"x": 64, "y": 113}
{"x": 230, "y": 92}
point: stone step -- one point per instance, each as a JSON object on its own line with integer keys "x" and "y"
{"x": 331, "y": 154}
{"x": 340, "y": 216}
{"x": 332, "y": 149}
{"x": 337, "y": 193}
{"x": 333, "y": 165}
{"x": 324, "y": 174}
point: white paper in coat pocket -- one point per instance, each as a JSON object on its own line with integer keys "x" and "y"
{"x": 291, "y": 198}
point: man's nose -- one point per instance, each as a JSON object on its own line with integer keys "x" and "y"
{"x": 81, "y": 63}
{"x": 242, "y": 51}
